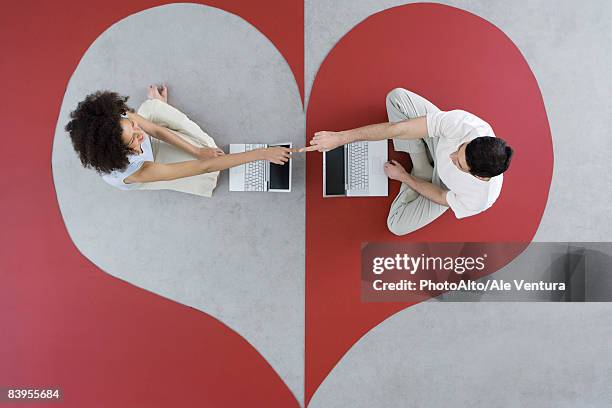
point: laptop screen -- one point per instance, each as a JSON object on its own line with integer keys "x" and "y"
{"x": 334, "y": 172}
{"x": 279, "y": 175}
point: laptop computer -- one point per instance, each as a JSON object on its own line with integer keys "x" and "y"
{"x": 356, "y": 170}
{"x": 260, "y": 175}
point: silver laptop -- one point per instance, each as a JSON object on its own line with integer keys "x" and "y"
{"x": 356, "y": 170}
{"x": 260, "y": 175}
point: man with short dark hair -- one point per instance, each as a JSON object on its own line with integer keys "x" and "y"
{"x": 468, "y": 160}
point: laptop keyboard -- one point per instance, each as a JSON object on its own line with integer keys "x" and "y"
{"x": 359, "y": 174}
{"x": 255, "y": 174}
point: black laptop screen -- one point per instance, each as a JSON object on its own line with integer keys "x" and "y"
{"x": 334, "y": 172}
{"x": 279, "y": 175}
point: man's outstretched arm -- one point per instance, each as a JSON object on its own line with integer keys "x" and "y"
{"x": 407, "y": 129}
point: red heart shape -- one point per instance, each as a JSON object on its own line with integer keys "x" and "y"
{"x": 343, "y": 96}
{"x": 458, "y": 61}
{"x": 65, "y": 323}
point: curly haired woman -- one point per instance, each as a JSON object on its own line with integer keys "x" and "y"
{"x": 156, "y": 148}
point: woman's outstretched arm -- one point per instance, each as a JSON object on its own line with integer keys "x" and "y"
{"x": 151, "y": 171}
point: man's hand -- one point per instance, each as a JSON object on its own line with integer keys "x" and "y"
{"x": 324, "y": 141}
{"x": 277, "y": 154}
{"x": 431, "y": 191}
{"x": 204, "y": 153}
{"x": 395, "y": 171}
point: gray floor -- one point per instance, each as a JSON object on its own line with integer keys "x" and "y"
{"x": 238, "y": 256}
{"x": 503, "y": 354}
{"x": 230, "y": 79}
{"x": 478, "y": 355}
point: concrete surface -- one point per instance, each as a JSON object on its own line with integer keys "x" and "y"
{"x": 503, "y": 354}
{"x": 477, "y": 355}
{"x": 201, "y": 252}
{"x": 197, "y": 251}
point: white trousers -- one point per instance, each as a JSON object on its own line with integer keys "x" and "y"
{"x": 171, "y": 118}
{"x": 406, "y": 217}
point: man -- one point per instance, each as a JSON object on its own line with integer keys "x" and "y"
{"x": 468, "y": 160}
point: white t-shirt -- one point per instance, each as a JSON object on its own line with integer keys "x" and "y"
{"x": 116, "y": 178}
{"x": 468, "y": 195}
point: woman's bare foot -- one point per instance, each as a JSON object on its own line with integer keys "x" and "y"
{"x": 153, "y": 93}
{"x": 164, "y": 92}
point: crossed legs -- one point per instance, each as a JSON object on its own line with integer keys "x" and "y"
{"x": 159, "y": 112}
{"x": 411, "y": 211}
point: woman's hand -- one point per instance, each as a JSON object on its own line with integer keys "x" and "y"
{"x": 395, "y": 171}
{"x": 277, "y": 154}
{"x": 324, "y": 141}
{"x": 204, "y": 153}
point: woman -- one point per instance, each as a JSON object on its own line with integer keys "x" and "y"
{"x": 156, "y": 148}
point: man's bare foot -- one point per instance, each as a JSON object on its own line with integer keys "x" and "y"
{"x": 153, "y": 93}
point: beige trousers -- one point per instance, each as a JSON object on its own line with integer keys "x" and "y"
{"x": 406, "y": 217}
{"x": 171, "y": 118}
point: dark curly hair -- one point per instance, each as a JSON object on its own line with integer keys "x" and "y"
{"x": 95, "y": 131}
{"x": 488, "y": 156}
